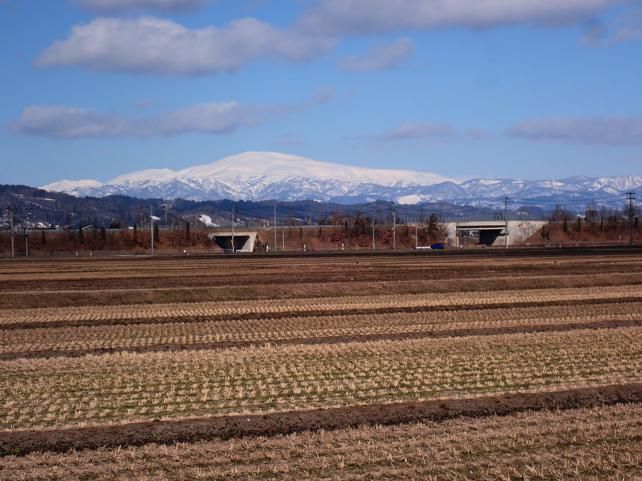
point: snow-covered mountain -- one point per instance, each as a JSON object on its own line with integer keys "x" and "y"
{"x": 268, "y": 175}
{"x": 255, "y": 176}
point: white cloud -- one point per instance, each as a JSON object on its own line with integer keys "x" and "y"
{"x": 385, "y": 56}
{"x": 426, "y": 131}
{"x": 417, "y": 131}
{"x": 154, "y": 45}
{"x": 597, "y": 130}
{"x": 69, "y": 122}
{"x": 477, "y": 133}
{"x": 112, "y": 5}
{"x": 372, "y": 16}
{"x": 162, "y": 46}
{"x": 626, "y": 28}
{"x": 55, "y": 121}
{"x": 629, "y": 28}
{"x": 628, "y": 33}
{"x": 208, "y": 118}
{"x": 60, "y": 122}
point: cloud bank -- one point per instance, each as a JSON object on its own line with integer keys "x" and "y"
{"x": 152, "y": 45}
{"x": 428, "y": 131}
{"x": 597, "y": 130}
{"x": 385, "y": 56}
{"x": 215, "y": 118}
{"x": 416, "y": 131}
{"x": 59, "y": 122}
{"x": 376, "y": 16}
{"x": 119, "y": 5}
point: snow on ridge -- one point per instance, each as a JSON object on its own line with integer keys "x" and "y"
{"x": 252, "y": 173}
{"x": 411, "y": 199}
{"x": 149, "y": 175}
{"x": 63, "y": 185}
{"x": 273, "y": 166}
{"x": 269, "y": 175}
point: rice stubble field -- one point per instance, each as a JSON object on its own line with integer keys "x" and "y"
{"x": 346, "y": 367}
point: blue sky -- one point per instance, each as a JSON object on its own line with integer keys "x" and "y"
{"x": 535, "y": 89}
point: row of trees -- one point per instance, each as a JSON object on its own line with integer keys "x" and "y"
{"x": 605, "y": 224}
{"x": 356, "y": 232}
{"x": 102, "y": 239}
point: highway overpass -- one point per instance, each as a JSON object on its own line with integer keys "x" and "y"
{"x": 492, "y": 232}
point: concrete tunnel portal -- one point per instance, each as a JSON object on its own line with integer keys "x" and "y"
{"x": 488, "y": 233}
{"x": 235, "y": 241}
{"x": 488, "y": 237}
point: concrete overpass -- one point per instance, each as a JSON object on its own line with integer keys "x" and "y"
{"x": 492, "y": 232}
{"x": 237, "y": 241}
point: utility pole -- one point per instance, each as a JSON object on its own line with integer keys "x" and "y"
{"x": 394, "y": 230}
{"x": 151, "y": 226}
{"x": 630, "y": 196}
{"x": 416, "y": 235}
{"x": 11, "y": 211}
{"x": 165, "y": 207}
{"x": 506, "y": 220}
{"x": 283, "y": 240}
{"x": 233, "y": 231}
{"x": 274, "y": 227}
{"x": 27, "y": 233}
{"x": 26, "y": 241}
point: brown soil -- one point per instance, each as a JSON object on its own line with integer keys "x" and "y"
{"x": 191, "y": 430}
{"x": 286, "y": 290}
{"x": 345, "y": 272}
{"x": 248, "y": 280}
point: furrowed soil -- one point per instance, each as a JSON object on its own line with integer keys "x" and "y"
{"x": 263, "y": 355}
{"x": 191, "y": 430}
{"x": 589, "y": 444}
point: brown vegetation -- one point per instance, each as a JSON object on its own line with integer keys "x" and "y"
{"x": 588, "y": 230}
{"x": 100, "y": 353}
{"x": 186, "y": 239}
{"x": 590, "y": 444}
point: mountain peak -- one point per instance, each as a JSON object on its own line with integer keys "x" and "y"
{"x": 276, "y": 166}
{"x": 72, "y": 187}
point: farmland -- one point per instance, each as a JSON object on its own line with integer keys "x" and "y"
{"x": 344, "y": 367}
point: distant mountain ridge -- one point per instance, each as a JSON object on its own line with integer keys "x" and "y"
{"x": 259, "y": 176}
{"x": 39, "y": 208}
